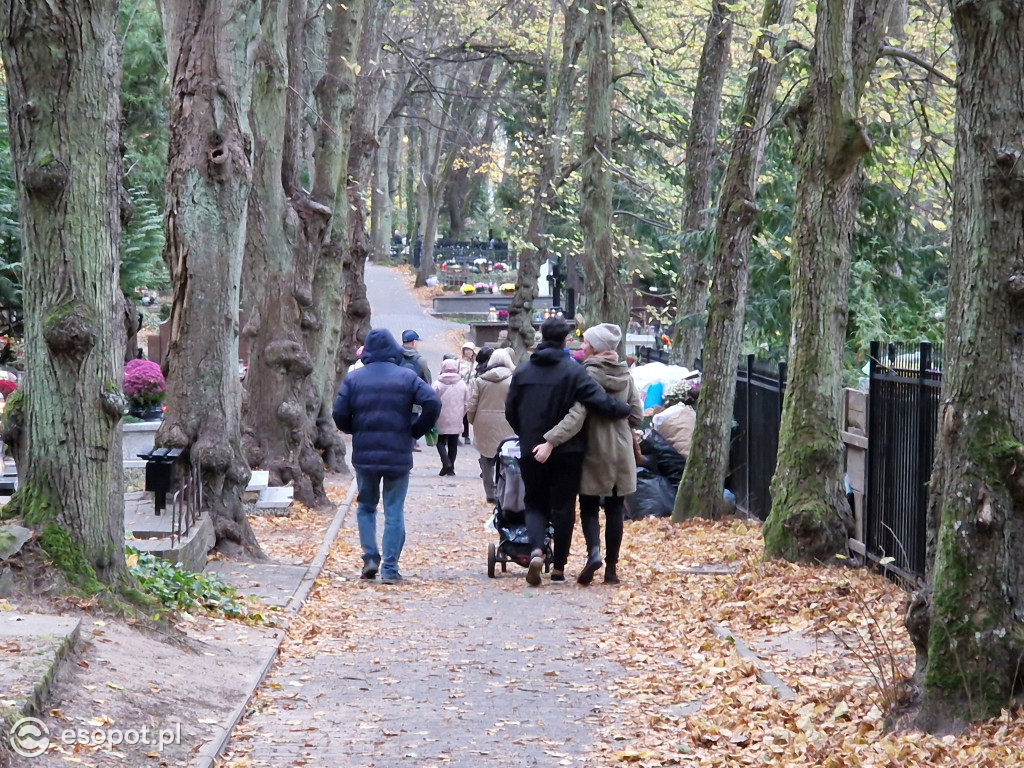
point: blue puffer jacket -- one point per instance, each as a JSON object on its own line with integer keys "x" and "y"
{"x": 375, "y": 405}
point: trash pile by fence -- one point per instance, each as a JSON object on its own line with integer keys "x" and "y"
{"x": 904, "y": 384}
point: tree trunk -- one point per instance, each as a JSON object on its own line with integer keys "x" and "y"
{"x": 605, "y": 297}
{"x": 810, "y": 515}
{"x": 412, "y": 166}
{"x": 370, "y": 104}
{"x": 535, "y": 251}
{"x": 701, "y": 148}
{"x": 428, "y": 192}
{"x": 285, "y": 229}
{"x": 208, "y": 183}
{"x": 700, "y": 491}
{"x": 394, "y": 154}
{"x": 432, "y": 135}
{"x": 63, "y": 112}
{"x": 380, "y": 221}
{"x": 974, "y": 645}
{"x": 330, "y": 281}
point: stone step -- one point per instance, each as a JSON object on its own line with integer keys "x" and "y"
{"x": 259, "y": 479}
{"x": 189, "y": 551}
{"x": 275, "y": 500}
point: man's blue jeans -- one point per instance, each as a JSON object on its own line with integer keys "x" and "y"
{"x": 395, "y": 488}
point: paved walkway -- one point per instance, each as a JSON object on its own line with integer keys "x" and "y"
{"x": 394, "y": 308}
{"x": 450, "y": 668}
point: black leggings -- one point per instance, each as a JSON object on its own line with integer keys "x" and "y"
{"x": 448, "y": 449}
{"x": 614, "y": 507}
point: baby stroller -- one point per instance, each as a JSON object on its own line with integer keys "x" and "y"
{"x": 508, "y": 519}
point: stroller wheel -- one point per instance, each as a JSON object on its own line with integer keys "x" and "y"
{"x": 491, "y": 560}
{"x": 504, "y": 566}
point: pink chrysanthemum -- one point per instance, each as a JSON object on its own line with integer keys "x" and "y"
{"x": 144, "y": 383}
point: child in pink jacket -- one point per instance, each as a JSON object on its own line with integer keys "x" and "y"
{"x": 454, "y": 395}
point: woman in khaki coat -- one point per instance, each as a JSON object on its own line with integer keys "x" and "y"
{"x": 486, "y": 412}
{"x": 609, "y": 466}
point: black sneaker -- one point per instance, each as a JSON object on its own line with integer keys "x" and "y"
{"x": 370, "y": 568}
{"x": 557, "y": 575}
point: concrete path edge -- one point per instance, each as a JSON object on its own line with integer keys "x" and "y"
{"x": 211, "y": 750}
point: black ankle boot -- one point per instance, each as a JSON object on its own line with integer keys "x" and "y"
{"x": 610, "y": 577}
{"x": 590, "y": 568}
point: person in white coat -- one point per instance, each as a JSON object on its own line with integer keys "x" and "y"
{"x": 486, "y": 412}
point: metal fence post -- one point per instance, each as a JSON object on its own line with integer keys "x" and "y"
{"x": 749, "y": 437}
{"x": 874, "y": 435}
{"x": 924, "y": 454}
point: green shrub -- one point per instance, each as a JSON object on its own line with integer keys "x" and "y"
{"x": 178, "y": 589}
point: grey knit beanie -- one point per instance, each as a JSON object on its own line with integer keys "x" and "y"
{"x": 604, "y": 337}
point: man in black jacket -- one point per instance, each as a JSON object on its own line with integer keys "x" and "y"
{"x": 542, "y": 391}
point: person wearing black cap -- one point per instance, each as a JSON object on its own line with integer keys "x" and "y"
{"x": 542, "y": 391}
{"x": 412, "y": 359}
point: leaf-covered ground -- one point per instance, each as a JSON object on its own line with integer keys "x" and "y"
{"x": 693, "y": 596}
{"x": 834, "y": 637}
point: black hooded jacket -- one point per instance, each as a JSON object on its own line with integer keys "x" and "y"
{"x": 543, "y": 390}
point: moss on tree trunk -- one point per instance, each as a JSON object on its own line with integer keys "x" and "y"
{"x": 973, "y": 651}
{"x": 62, "y": 82}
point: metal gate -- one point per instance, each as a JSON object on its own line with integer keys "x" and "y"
{"x": 757, "y": 411}
{"x": 906, "y": 390}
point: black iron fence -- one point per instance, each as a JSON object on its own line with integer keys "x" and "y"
{"x": 905, "y": 386}
{"x": 757, "y": 413}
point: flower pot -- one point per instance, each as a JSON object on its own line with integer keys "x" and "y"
{"x": 147, "y": 413}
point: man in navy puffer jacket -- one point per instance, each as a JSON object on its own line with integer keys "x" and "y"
{"x": 375, "y": 406}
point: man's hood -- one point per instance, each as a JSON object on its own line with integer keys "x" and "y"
{"x": 548, "y": 353}
{"x": 380, "y": 347}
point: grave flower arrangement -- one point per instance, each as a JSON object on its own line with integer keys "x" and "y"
{"x": 144, "y": 384}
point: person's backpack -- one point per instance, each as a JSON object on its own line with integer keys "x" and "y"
{"x": 412, "y": 362}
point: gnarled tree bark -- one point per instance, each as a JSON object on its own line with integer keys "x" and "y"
{"x": 62, "y": 71}
{"x": 209, "y": 177}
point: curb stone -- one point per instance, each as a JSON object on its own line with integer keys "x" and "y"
{"x": 764, "y": 674}
{"x": 69, "y": 631}
{"x": 210, "y": 751}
